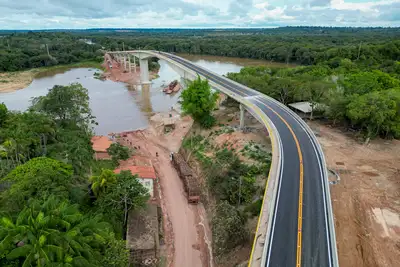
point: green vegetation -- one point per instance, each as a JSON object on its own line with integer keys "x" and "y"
{"x": 228, "y": 228}
{"x": 118, "y": 152}
{"x": 47, "y": 215}
{"x": 54, "y": 232}
{"x": 233, "y": 185}
{"x": 29, "y": 50}
{"x": 121, "y": 196}
{"x": 367, "y": 100}
{"x": 199, "y": 101}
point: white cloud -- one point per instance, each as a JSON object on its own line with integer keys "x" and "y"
{"x": 37, "y": 14}
{"x": 266, "y": 14}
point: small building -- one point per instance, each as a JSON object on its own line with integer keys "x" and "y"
{"x": 142, "y": 236}
{"x": 305, "y": 109}
{"x": 100, "y": 145}
{"x": 169, "y": 124}
{"x": 146, "y": 175}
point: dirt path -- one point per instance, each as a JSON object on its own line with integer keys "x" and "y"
{"x": 366, "y": 201}
{"x": 186, "y": 240}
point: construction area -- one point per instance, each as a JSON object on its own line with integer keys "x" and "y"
{"x": 366, "y": 199}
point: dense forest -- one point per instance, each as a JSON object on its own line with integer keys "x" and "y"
{"x": 32, "y": 50}
{"x": 58, "y": 206}
{"x": 301, "y": 45}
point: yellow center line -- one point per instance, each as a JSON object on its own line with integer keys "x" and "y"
{"x": 300, "y": 204}
{"x": 300, "y": 207}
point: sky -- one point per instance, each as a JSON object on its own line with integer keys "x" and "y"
{"x": 81, "y": 14}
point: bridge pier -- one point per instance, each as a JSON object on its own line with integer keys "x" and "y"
{"x": 144, "y": 71}
{"x": 130, "y": 65}
{"x": 242, "y": 110}
{"x": 124, "y": 62}
{"x": 134, "y": 63}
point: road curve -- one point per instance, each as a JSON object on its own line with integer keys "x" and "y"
{"x": 302, "y": 229}
{"x": 300, "y": 234}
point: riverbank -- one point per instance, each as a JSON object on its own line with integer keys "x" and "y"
{"x": 13, "y": 81}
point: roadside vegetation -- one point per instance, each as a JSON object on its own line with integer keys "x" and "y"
{"x": 58, "y": 206}
{"x": 235, "y": 177}
{"x": 346, "y": 93}
{"x": 198, "y": 101}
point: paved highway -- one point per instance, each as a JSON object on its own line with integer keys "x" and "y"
{"x": 301, "y": 228}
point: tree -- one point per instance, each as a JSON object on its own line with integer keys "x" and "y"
{"x": 314, "y": 92}
{"x": 26, "y": 135}
{"x": 199, "y": 101}
{"x": 283, "y": 89}
{"x": 38, "y": 178}
{"x": 227, "y": 220}
{"x": 66, "y": 104}
{"x": 55, "y": 233}
{"x": 377, "y": 112}
{"x": 118, "y": 152}
{"x": 124, "y": 195}
{"x": 73, "y": 145}
{"x": 101, "y": 182}
{"x": 3, "y": 113}
{"x": 116, "y": 254}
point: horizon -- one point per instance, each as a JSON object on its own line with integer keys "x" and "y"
{"x": 206, "y": 28}
{"x": 193, "y": 14}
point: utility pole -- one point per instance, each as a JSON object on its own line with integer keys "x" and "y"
{"x": 47, "y": 48}
{"x": 359, "y": 51}
{"x": 240, "y": 189}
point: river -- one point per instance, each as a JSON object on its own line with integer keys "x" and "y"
{"x": 118, "y": 106}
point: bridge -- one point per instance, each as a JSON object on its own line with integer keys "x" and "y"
{"x": 296, "y": 226}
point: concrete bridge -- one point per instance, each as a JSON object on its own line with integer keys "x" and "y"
{"x": 295, "y": 225}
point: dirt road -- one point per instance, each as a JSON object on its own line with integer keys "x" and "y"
{"x": 183, "y": 222}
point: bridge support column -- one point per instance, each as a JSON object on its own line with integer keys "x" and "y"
{"x": 134, "y": 63}
{"x": 242, "y": 110}
{"x": 144, "y": 71}
{"x": 130, "y": 65}
{"x": 124, "y": 62}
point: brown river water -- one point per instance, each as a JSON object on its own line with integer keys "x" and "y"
{"x": 117, "y": 106}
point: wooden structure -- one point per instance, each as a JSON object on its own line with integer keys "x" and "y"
{"x": 188, "y": 178}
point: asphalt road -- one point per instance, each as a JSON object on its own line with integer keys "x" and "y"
{"x": 300, "y": 235}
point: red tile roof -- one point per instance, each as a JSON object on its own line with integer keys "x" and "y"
{"x": 142, "y": 171}
{"x": 101, "y": 143}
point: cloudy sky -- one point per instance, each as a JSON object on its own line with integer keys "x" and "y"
{"x": 53, "y": 14}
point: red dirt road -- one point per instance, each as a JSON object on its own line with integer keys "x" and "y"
{"x": 181, "y": 219}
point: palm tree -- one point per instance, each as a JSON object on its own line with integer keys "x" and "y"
{"x": 53, "y": 233}
{"x": 102, "y": 181}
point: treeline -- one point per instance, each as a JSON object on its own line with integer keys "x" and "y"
{"x": 58, "y": 206}
{"x": 305, "y": 46}
{"x": 29, "y": 50}
{"x": 302, "y": 45}
{"x": 366, "y": 100}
